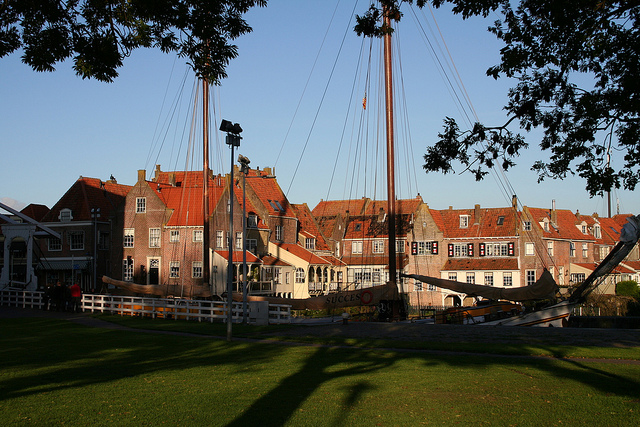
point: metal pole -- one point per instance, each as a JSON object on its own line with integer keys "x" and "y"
{"x": 244, "y": 243}
{"x": 230, "y": 264}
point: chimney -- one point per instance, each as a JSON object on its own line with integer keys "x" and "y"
{"x": 514, "y": 202}
{"x": 141, "y": 175}
{"x": 267, "y": 171}
{"x": 476, "y": 214}
{"x": 158, "y": 170}
{"x": 554, "y": 214}
{"x": 172, "y": 179}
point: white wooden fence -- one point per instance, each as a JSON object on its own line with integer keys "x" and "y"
{"x": 167, "y": 308}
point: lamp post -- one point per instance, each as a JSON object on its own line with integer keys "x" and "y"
{"x": 95, "y": 214}
{"x": 233, "y": 140}
{"x": 244, "y": 168}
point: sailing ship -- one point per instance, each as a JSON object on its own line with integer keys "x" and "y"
{"x": 501, "y": 306}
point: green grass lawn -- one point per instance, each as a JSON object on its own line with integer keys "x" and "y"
{"x": 53, "y": 372}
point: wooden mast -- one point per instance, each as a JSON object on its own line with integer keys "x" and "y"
{"x": 205, "y": 182}
{"x": 391, "y": 192}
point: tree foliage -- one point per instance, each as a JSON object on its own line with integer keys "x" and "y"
{"x": 576, "y": 63}
{"x": 99, "y": 34}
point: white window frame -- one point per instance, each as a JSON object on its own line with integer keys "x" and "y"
{"x": 464, "y": 221}
{"x": 550, "y": 248}
{"x": 278, "y": 233}
{"x": 378, "y": 246}
{"x": 299, "y": 275}
{"x": 65, "y": 215}
{"x": 529, "y": 277}
{"x": 174, "y": 236}
{"x": 127, "y": 270}
{"x": 356, "y": 247}
{"x": 174, "y": 269}
{"x": 76, "y": 240}
{"x": 471, "y": 277}
{"x": 141, "y": 205}
{"x": 488, "y": 278}
{"x": 129, "y": 238}
{"x": 310, "y": 243}
{"x": 529, "y": 249}
{"x": 238, "y": 240}
{"x": 585, "y": 250}
{"x": 507, "y": 279}
{"x": 197, "y": 236}
{"x": 219, "y": 239}
{"x": 154, "y": 237}
{"x": 196, "y": 269}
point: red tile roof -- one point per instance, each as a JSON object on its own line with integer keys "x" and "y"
{"x": 185, "y": 197}
{"x": 483, "y": 222}
{"x": 309, "y": 227}
{"x": 86, "y": 194}
{"x": 266, "y": 188}
{"x": 303, "y": 254}
{"x": 238, "y": 258}
{"x": 480, "y": 264}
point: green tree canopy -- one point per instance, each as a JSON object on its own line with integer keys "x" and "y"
{"x": 99, "y": 34}
{"x": 577, "y": 64}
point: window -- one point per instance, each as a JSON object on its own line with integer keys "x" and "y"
{"x": 279, "y": 233}
{"x": 127, "y": 269}
{"x": 287, "y": 277}
{"x": 507, "y": 279}
{"x": 497, "y": 249}
{"x": 378, "y": 247}
{"x": 174, "y": 269}
{"x": 174, "y": 236}
{"x": 239, "y": 240}
{"x": 550, "y": 248}
{"x": 54, "y": 244}
{"x": 299, "y": 275}
{"x": 545, "y": 224}
{"x": 431, "y": 287}
{"x": 154, "y": 237}
{"x": 310, "y": 243}
{"x": 76, "y": 240}
{"x": 529, "y": 249}
{"x": 500, "y": 220}
{"x": 572, "y": 249}
{"x": 425, "y": 248}
{"x": 356, "y": 247}
{"x": 103, "y": 241}
{"x": 141, "y": 204}
{"x": 530, "y": 277}
{"x": 252, "y": 245}
{"x": 376, "y": 275}
{"x": 252, "y": 221}
{"x": 583, "y": 228}
{"x": 453, "y": 276}
{"x": 417, "y": 286}
{"x": 597, "y": 231}
{"x": 460, "y": 250}
{"x": 526, "y": 225}
{"x": 197, "y": 236}
{"x": 464, "y": 221}
{"x": 488, "y": 278}
{"x": 196, "y": 269}
{"x": 585, "y": 250}
{"x": 578, "y": 277}
{"x": 400, "y": 245}
{"x": 471, "y": 278}
{"x": 65, "y": 215}
{"x": 129, "y": 237}
{"x": 219, "y": 239}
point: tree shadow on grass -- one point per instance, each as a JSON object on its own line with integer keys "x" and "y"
{"x": 59, "y": 355}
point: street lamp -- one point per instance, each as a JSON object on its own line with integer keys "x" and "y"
{"x": 233, "y": 140}
{"x": 244, "y": 168}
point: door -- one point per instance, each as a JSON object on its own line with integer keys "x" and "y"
{"x": 153, "y": 277}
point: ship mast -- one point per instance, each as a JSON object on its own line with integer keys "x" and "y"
{"x": 391, "y": 192}
{"x": 205, "y": 181}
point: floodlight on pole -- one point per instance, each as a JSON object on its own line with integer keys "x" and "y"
{"x": 233, "y": 140}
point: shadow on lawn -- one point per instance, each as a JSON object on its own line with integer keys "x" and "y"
{"x": 108, "y": 355}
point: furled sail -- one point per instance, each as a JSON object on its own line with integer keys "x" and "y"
{"x": 161, "y": 290}
{"x": 360, "y": 297}
{"x": 544, "y": 287}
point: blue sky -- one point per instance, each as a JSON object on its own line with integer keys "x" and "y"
{"x": 298, "y": 117}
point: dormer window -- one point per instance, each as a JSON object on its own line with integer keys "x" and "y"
{"x": 464, "y": 221}
{"x": 597, "y": 231}
{"x": 65, "y": 215}
{"x": 252, "y": 221}
{"x": 500, "y": 220}
{"x": 545, "y": 224}
{"x": 310, "y": 243}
